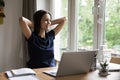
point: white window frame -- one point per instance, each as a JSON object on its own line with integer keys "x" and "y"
{"x": 99, "y": 23}
{"x": 98, "y": 28}
{"x": 72, "y": 27}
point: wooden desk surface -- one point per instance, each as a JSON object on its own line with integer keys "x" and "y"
{"x": 88, "y": 76}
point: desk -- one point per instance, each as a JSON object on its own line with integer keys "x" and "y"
{"x": 88, "y": 76}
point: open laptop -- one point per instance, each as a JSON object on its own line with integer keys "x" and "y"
{"x": 73, "y": 63}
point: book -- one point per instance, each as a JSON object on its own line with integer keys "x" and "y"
{"x": 22, "y": 74}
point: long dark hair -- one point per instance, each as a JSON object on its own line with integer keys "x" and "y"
{"x": 37, "y": 19}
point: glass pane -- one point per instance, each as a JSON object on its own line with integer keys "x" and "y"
{"x": 61, "y": 9}
{"x": 112, "y": 24}
{"x": 64, "y": 32}
{"x": 85, "y": 24}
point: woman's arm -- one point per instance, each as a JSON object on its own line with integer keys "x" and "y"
{"x": 60, "y": 23}
{"x": 25, "y": 24}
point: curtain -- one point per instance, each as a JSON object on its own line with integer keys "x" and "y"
{"x": 29, "y": 7}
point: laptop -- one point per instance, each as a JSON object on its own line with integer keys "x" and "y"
{"x": 73, "y": 63}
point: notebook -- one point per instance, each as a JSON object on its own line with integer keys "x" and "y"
{"x": 73, "y": 63}
{"x": 21, "y": 74}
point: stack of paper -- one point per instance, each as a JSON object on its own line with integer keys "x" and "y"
{"x": 22, "y": 74}
{"x": 114, "y": 67}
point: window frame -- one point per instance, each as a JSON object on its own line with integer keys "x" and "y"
{"x": 72, "y": 27}
{"x": 98, "y": 35}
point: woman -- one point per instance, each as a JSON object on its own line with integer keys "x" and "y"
{"x": 41, "y": 41}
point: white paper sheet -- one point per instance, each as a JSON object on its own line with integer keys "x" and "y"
{"x": 28, "y": 77}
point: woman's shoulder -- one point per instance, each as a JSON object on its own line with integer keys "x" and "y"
{"x": 33, "y": 36}
{"x": 51, "y": 32}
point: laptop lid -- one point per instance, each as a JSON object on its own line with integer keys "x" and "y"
{"x": 74, "y": 63}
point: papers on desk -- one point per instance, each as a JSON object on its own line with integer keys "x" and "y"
{"x": 114, "y": 67}
{"x": 28, "y": 77}
{"x": 22, "y": 74}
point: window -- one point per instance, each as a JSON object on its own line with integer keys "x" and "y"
{"x": 78, "y": 31}
{"x": 61, "y": 40}
{"x": 64, "y": 32}
{"x": 91, "y": 23}
{"x": 112, "y": 26}
{"x": 85, "y": 25}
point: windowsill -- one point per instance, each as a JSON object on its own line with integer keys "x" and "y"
{"x": 115, "y": 55}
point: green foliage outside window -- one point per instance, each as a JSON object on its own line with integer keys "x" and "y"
{"x": 113, "y": 23}
{"x": 64, "y": 32}
{"x": 85, "y": 23}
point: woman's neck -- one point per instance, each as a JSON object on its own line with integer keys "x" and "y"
{"x": 42, "y": 33}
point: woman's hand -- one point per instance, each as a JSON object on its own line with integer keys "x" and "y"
{"x": 60, "y": 23}
{"x": 27, "y": 21}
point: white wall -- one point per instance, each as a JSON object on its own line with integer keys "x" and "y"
{"x": 12, "y": 50}
{"x": 11, "y": 47}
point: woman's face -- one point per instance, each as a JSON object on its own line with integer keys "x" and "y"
{"x": 45, "y": 22}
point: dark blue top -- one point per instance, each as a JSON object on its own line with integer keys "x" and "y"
{"x": 41, "y": 50}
